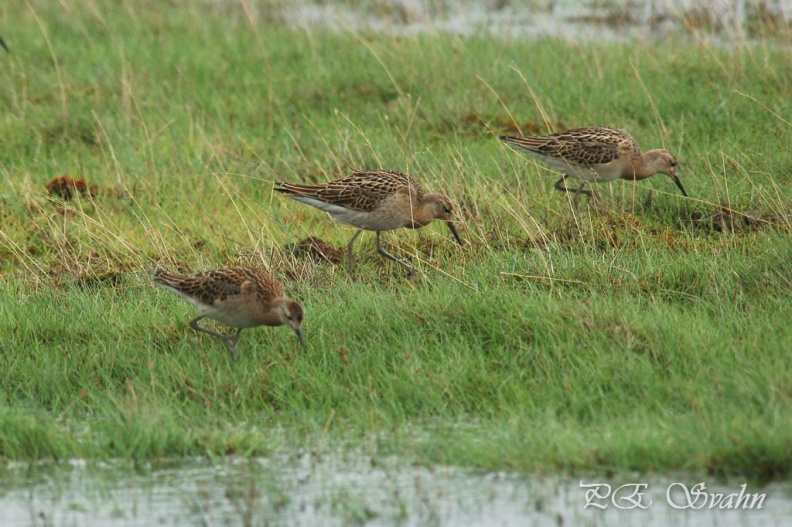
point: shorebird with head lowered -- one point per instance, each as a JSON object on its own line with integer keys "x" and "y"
{"x": 595, "y": 154}
{"x": 240, "y": 297}
{"x": 376, "y": 200}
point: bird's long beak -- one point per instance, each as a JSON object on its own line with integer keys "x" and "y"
{"x": 302, "y": 340}
{"x": 454, "y": 231}
{"x": 679, "y": 184}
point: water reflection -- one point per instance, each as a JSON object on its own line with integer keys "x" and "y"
{"x": 570, "y": 19}
{"x": 339, "y": 489}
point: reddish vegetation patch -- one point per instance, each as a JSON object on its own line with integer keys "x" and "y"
{"x": 344, "y": 354}
{"x": 527, "y": 128}
{"x": 725, "y": 219}
{"x": 65, "y": 188}
{"x": 472, "y": 122}
{"x": 319, "y": 250}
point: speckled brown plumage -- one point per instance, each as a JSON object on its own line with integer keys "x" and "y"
{"x": 240, "y": 297}
{"x": 219, "y": 284}
{"x": 596, "y": 154}
{"x": 589, "y": 146}
{"x": 376, "y": 200}
{"x": 364, "y": 190}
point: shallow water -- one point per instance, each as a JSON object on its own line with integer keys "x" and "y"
{"x": 341, "y": 489}
{"x": 569, "y": 19}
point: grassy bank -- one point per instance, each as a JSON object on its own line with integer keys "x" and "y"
{"x": 651, "y": 336}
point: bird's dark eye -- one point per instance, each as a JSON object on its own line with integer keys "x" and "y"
{"x": 447, "y": 210}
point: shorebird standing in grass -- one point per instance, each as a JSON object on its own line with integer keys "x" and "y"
{"x": 376, "y": 200}
{"x": 595, "y": 154}
{"x": 239, "y": 297}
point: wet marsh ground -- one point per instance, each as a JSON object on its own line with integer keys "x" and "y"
{"x": 650, "y": 336}
{"x": 341, "y": 489}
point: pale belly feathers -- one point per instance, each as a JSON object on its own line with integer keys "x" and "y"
{"x": 371, "y": 221}
{"x": 233, "y": 311}
{"x": 605, "y": 172}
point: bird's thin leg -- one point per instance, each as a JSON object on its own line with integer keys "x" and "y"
{"x": 585, "y": 192}
{"x": 235, "y": 339}
{"x": 649, "y": 201}
{"x": 410, "y": 270}
{"x": 230, "y": 345}
{"x": 349, "y": 256}
{"x": 561, "y": 185}
{"x": 576, "y": 198}
{"x": 195, "y": 326}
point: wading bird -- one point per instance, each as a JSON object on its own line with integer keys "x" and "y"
{"x": 239, "y": 297}
{"x": 376, "y": 200}
{"x": 595, "y": 154}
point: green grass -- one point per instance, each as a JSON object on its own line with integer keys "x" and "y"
{"x": 653, "y": 336}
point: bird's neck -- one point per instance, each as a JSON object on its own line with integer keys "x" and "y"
{"x": 422, "y": 214}
{"x": 647, "y": 165}
{"x": 272, "y": 316}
